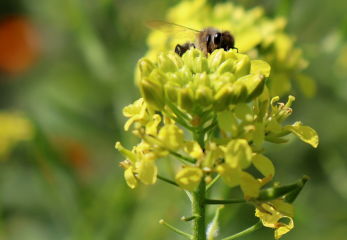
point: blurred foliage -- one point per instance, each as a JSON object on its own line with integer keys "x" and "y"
{"x": 65, "y": 183}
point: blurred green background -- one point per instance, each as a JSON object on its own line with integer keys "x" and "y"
{"x": 72, "y": 76}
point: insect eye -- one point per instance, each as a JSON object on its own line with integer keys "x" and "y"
{"x": 208, "y": 39}
{"x": 217, "y": 38}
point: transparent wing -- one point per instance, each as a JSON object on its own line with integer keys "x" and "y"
{"x": 171, "y": 29}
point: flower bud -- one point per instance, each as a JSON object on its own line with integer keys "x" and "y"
{"x": 230, "y": 55}
{"x": 146, "y": 67}
{"x": 227, "y": 66}
{"x": 176, "y": 78}
{"x": 201, "y": 79}
{"x": 186, "y": 98}
{"x": 221, "y": 99}
{"x": 186, "y": 74}
{"x": 215, "y": 59}
{"x": 254, "y": 84}
{"x": 171, "y": 91}
{"x": 177, "y": 60}
{"x": 204, "y": 96}
{"x": 166, "y": 64}
{"x": 153, "y": 93}
{"x": 200, "y": 65}
{"x": 242, "y": 67}
{"x": 240, "y": 94}
{"x": 227, "y": 77}
{"x": 158, "y": 76}
{"x": 190, "y": 56}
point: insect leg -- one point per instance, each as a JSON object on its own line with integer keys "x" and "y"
{"x": 181, "y": 49}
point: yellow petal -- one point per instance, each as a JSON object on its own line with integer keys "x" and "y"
{"x": 147, "y": 171}
{"x": 305, "y": 133}
{"x": 231, "y": 176}
{"x": 189, "y": 178}
{"x": 285, "y": 209}
{"x": 264, "y": 165}
{"x": 152, "y": 126}
{"x": 193, "y": 149}
{"x": 130, "y": 178}
{"x": 258, "y": 65}
{"x": 284, "y": 229}
{"x": 172, "y": 136}
{"x": 238, "y": 154}
{"x": 249, "y": 185}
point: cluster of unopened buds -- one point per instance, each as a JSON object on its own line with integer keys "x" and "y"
{"x": 223, "y": 102}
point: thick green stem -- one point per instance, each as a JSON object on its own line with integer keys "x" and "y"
{"x": 198, "y": 205}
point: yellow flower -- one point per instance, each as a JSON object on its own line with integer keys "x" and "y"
{"x": 270, "y": 213}
{"x": 140, "y": 164}
{"x": 137, "y": 113}
{"x": 189, "y": 178}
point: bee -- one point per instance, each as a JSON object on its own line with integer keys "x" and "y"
{"x": 207, "y": 40}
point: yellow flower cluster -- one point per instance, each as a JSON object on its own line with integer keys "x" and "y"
{"x": 225, "y": 91}
{"x": 255, "y": 34}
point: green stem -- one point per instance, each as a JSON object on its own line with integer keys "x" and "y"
{"x": 188, "y": 159}
{"x": 245, "y": 232}
{"x": 227, "y": 201}
{"x": 175, "y": 229}
{"x": 198, "y": 207}
{"x": 167, "y": 180}
{"x": 212, "y": 182}
{"x": 178, "y": 113}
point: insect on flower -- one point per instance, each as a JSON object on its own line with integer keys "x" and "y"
{"x": 208, "y": 39}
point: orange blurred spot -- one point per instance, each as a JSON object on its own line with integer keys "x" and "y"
{"x": 19, "y": 44}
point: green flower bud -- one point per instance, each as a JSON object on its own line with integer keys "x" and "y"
{"x": 227, "y": 66}
{"x": 146, "y": 67}
{"x": 190, "y": 56}
{"x": 218, "y": 81}
{"x": 177, "y": 60}
{"x": 254, "y": 84}
{"x": 171, "y": 91}
{"x": 240, "y": 94}
{"x": 159, "y": 76}
{"x": 200, "y": 65}
{"x": 227, "y": 77}
{"x": 269, "y": 194}
{"x": 242, "y": 67}
{"x": 222, "y": 98}
{"x": 153, "y": 93}
{"x": 201, "y": 79}
{"x": 230, "y": 55}
{"x": 166, "y": 64}
{"x": 204, "y": 96}
{"x": 186, "y": 98}
{"x": 186, "y": 74}
{"x": 215, "y": 59}
{"x": 176, "y": 78}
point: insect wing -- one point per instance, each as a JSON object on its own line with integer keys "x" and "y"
{"x": 171, "y": 29}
